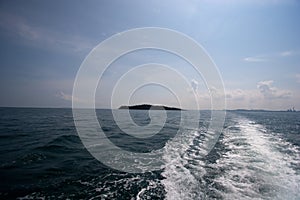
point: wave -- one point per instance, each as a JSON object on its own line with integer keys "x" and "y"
{"x": 183, "y": 170}
{"x": 248, "y": 162}
{"x": 255, "y": 165}
{"x": 62, "y": 143}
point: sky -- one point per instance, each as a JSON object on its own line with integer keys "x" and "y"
{"x": 254, "y": 43}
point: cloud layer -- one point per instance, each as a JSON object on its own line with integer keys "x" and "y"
{"x": 270, "y": 92}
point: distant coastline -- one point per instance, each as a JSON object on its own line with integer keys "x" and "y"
{"x": 148, "y": 107}
{"x": 262, "y": 110}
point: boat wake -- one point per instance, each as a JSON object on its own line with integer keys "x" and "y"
{"x": 248, "y": 162}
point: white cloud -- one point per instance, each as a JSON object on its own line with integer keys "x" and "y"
{"x": 241, "y": 98}
{"x": 266, "y": 96}
{"x": 194, "y": 84}
{"x": 237, "y": 94}
{"x": 289, "y": 53}
{"x": 270, "y": 92}
{"x": 68, "y": 97}
{"x": 286, "y": 53}
{"x": 64, "y": 96}
{"x": 271, "y": 56}
{"x": 255, "y": 59}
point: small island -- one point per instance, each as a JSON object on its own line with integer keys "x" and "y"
{"x": 148, "y": 106}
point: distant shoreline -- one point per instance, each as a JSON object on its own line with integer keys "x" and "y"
{"x": 261, "y": 110}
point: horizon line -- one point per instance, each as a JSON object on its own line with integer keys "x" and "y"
{"x": 183, "y": 109}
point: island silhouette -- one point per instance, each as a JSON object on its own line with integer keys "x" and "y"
{"x": 148, "y": 106}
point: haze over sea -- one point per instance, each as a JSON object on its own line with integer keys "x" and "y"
{"x": 257, "y": 156}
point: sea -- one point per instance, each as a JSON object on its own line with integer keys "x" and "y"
{"x": 256, "y": 156}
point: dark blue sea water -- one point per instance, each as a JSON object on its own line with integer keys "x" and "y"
{"x": 257, "y": 156}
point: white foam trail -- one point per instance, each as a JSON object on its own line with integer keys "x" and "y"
{"x": 256, "y": 165}
{"x": 180, "y": 181}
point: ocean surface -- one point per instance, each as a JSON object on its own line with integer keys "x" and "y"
{"x": 257, "y": 156}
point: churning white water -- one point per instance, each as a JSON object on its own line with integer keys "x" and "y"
{"x": 253, "y": 163}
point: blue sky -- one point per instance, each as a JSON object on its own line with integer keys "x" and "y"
{"x": 255, "y": 44}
